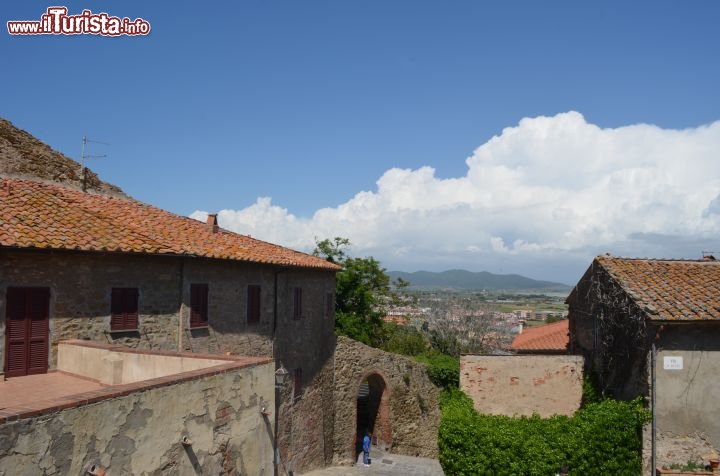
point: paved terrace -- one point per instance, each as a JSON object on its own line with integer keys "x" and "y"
{"x": 43, "y": 390}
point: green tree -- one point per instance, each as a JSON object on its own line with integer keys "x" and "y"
{"x": 362, "y": 290}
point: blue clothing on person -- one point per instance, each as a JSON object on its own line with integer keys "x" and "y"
{"x": 366, "y": 450}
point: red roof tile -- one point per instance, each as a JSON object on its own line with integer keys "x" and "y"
{"x": 548, "y": 338}
{"x": 669, "y": 290}
{"x": 36, "y": 214}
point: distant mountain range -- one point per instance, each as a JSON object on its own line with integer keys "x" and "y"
{"x": 467, "y": 280}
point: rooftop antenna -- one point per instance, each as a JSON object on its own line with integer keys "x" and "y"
{"x": 709, "y": 255}
{"x": 84, "y": 156}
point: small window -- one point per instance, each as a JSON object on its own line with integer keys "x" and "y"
{"x": 297, "y": 303}
{"x": 124, "y": 309}
{"x": 253, "y": 304}
{"x": 329, "y": 304}
{"x": 198, "y": 305}
{"x": 297, "y": 384}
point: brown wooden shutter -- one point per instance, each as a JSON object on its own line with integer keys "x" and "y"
{"x": 297, "y": 303}
{"x": 198, "y": 305}
{"x": 124, "y": 309}
{"x": 253, "y": 303}
{"x": 329, "y": 304}
{"x": 27, "y": 329}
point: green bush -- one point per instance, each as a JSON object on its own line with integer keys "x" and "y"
{"x": 403, "y": 340}
{"x": 443, "y": 370}
{"x": 602, "y": 438}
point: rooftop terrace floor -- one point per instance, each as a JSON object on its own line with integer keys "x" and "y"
{"x": 30, "y": 390}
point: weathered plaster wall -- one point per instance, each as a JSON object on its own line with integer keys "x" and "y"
{"x": 523, "y": 384}
{"x": 115, "y": 367}
{"x": 413, "y": 401}
{"x": 687, "y": 397}
{"x": 140, "y": 433}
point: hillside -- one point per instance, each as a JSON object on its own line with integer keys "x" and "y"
{"x": 467, "y": 280}
{"x": 22, "y": 155}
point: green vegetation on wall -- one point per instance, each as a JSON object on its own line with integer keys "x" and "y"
{"x": 601, "y": 438}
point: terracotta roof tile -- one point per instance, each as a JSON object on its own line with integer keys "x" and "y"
{"x": 36, "y": 214}
{"x": 548, "y": 338}
{"x": 669, "y": 290}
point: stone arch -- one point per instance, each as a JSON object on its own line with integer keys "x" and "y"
{"x": 373, "y": 410}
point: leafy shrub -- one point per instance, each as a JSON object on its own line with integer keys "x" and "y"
{"x": 602, "y": 438}
{"x": 403, "y": 340}
{"x": 443, "y": 370}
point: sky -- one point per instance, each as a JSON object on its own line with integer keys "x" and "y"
{"x": 505, "y": 136}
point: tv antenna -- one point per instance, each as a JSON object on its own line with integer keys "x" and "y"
{"x": 84, "y": 156}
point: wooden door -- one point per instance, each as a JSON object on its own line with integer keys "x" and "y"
{"x": 27, "y": 329}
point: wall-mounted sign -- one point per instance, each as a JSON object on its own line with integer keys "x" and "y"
{"x": 672, "y": 363}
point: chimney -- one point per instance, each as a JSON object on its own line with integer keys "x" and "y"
{"x": 212, "y": 222}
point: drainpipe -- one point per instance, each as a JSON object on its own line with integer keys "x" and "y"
{"x": 278, "y": 390}
{"x": 653, "y": 357}
{"x": 180, "y": 307}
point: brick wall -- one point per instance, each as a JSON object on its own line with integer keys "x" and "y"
{"x": 523, "y": 384}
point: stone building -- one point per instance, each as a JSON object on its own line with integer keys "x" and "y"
{"x": 79, "y": 259}
{"x": 81, "y": 265}
{"x": 622, "y": 309}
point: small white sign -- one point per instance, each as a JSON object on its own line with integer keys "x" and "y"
{"x": 672, "y": 363}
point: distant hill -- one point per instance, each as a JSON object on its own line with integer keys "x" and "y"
{"x": 467, "y": 280}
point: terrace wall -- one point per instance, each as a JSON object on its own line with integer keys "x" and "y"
{"x": 137, "y": 428}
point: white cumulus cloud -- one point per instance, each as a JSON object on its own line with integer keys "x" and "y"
{"x": 540, "y": 199}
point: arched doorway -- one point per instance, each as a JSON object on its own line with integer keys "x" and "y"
{"x": 373, "y": 412}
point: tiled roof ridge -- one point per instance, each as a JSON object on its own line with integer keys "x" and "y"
{"x": 134, "y": 226}
{"x": 669, "y": 260}
{"x": 668, "y": 289}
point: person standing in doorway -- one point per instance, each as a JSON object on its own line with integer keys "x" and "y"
{"x": 366, "y": 449}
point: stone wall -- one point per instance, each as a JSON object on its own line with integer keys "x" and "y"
{"x": 307, "y": 344}
{"x": 408, "y": 425}
{"x": 80, "y": 288}
{"x": 139, "y": 433}
{"x": 609, "y": 330}
{"x": 523, "y": 384}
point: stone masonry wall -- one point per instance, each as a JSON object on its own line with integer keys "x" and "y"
{"x": 523, "y": 384}
{"x": 413, "y": 401}
{"x": 140, "y": 433}
{"x": 80, "y": 287}
{"x": 305, "y": 425}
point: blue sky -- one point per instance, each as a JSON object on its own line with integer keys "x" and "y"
{"x": 310, "y": 119}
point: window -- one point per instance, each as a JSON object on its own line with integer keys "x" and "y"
{"x": 297, "y": 303}
{"x": 329, "y": 304}
{"x": 297, "y": 384}
{"x": 253, "y": 304}
{"x": 198, "y": 305}
{"x": 124, "y": 309}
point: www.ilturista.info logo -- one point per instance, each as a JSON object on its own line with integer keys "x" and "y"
{"x": 57, "y": 22}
